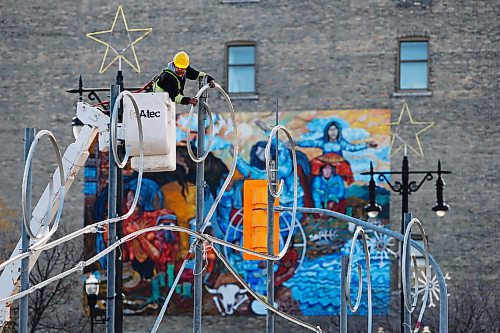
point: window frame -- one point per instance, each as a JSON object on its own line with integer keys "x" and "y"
{"x": 247, "y": 94}
{"x": 415, "y": 3}
{"x": 238, "y": 1}
{"x": 399, "y": 62}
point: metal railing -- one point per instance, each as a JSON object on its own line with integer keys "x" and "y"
{"x": 443, "y": 302}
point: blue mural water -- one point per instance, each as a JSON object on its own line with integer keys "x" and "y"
{"x": 316, "y": 286}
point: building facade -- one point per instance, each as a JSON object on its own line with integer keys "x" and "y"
{"x": 438, "y": 57}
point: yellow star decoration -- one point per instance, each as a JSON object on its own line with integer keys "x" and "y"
{"x": 119, "y": 54}
{"x": 417, "y": 128}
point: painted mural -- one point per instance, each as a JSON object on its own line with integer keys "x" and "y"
{"x": 333, "y": 148}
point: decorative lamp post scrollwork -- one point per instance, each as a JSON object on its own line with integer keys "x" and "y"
{"x": 405, "y": 187}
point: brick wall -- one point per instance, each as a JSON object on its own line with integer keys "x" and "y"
{"x": 312, "y": 55}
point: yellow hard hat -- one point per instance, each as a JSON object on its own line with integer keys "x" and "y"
{"x": 181, "y": 60}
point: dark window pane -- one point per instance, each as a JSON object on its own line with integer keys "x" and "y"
{"x": 90, "y": 172}
{"x": 241, "y": 79}
{"x": 413, "y": 75}
{"x": 413, "y": 51}
{"x": 241, "y": 55}
{"x": 90, "y": 188}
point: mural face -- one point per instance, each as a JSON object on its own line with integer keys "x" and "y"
{"x": 333, "y": 148}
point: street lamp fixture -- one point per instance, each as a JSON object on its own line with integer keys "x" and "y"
{"x": 92, "y": 290}
{"x": 92, "y": 286}
{"x": 406, "y": 187}
{"x": 372, "y": 209}
{"x": 440, "y": 207}
{"x": 76, "y": 125}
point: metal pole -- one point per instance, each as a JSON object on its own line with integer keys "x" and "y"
{"x": 270, "y": 250}
{"x": 29, "y": 135}
{"x": 91, "y": 320}
{"x": 270, "y": 235}
{"x": 443, "y": 298}
{"x": 405, "y": 194}
{"x": 200, "y": 197}
{"x": 343, "y": 301}
{"x": 111, "y": 257}
{"x": 406, "y": 313}
{"x": 119, "y": 228}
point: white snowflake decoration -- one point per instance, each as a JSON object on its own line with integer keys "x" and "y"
{"x": 433, "y": 287}
{"x": 381, "y": 247}
{"x": 358, "y": 254}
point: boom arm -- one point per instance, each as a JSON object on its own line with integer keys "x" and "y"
{"x": 73, "y": 160}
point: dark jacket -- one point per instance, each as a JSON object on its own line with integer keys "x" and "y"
{"x": 172, "y": 83}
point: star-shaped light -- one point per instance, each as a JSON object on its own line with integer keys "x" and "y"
{"x": 106, "y": 38}
{"x": 407, "y": 132}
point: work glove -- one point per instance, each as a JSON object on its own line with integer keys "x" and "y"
{"x": 211, "y": 81}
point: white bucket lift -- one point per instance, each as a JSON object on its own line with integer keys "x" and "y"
{"x": 158, "y": 124}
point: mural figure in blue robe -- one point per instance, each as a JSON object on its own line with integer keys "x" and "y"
{"x": 333, "y": 141}
{"x": 328, "y": 189}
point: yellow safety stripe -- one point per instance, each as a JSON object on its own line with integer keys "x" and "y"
{"x": 175, "y": 76}
{"x": 178, "y": 99}
{"x": 157, "y": 88}
{"x": 201, "y": 74}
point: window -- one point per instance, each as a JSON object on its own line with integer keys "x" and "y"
{"x": 409, "y": 3}
{"x": 238, "y": 1}
{"x": 413, "y": 69}
{"x": 90, "y": 188}
{"x": 241, "y": 68}
{"x": 90, "y": 184}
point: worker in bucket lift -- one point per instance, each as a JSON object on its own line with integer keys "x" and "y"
{"x": 173, "y": 78}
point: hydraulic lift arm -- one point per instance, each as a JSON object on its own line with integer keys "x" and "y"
{"x": 73, "y": 160}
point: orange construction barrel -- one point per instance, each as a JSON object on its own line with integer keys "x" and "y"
{"x": 255, "y": 219}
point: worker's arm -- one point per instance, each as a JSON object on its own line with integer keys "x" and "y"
{"x": 194, "y": 74}
{"x": 168, "y": 83}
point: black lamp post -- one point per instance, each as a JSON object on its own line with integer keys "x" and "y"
{"x": 92, "y": 290}
{"x": 405, "y": 187}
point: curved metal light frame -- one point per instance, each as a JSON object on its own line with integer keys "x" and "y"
{"x": 51, "y": 223}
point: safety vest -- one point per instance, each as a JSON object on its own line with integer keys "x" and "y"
{"x": 157, "y": 88}
{"x": 180, "y": 88}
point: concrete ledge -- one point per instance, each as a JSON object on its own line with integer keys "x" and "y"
{"x": 425, "y": 93}
{"x": 238, "y": 1}
{"x": 242, "y": 97}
